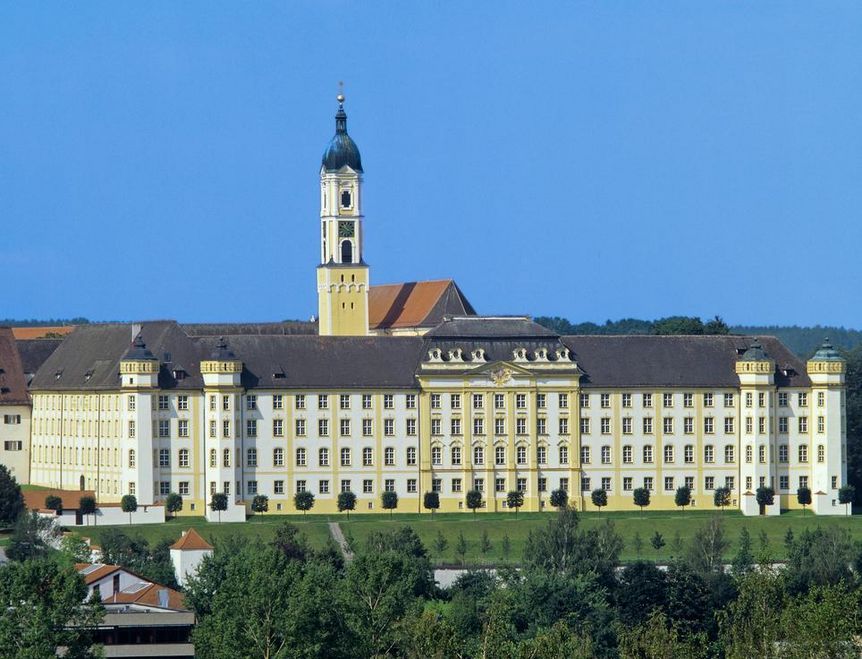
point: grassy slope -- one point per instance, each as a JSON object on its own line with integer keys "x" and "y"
{"x": 499, "y": 524}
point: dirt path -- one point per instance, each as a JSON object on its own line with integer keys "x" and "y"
{"x": 340, "y": 540}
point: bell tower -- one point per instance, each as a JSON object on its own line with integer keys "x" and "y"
{"x": 342, "y": 276}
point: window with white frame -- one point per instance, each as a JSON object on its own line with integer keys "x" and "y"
{"x": 389, "y": 456}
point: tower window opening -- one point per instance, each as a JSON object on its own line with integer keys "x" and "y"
{"x": 352, "y": 277}
{"x": 345, "y": 199}
{"x": 346, "y": 252}
{"x": 351, "y": 305}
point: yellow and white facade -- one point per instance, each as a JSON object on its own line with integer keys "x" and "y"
{"x": 493, "y": 404}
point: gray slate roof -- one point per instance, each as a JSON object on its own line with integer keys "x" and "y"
{"x": 675, "y": 361}
{"x": 34, "y": 352}
{"x": 89, "y": 357}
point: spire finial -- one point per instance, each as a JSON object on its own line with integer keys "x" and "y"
{"x": 340, "y": 97}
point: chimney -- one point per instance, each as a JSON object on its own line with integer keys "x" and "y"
{"x": 136, "y": 329}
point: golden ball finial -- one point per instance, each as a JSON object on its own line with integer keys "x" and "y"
{"x": 340, "y": 98}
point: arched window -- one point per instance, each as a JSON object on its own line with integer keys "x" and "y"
{"x": 345, "y": 199}
{"x": 346, "y": 251}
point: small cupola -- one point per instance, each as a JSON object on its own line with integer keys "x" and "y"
{"x": 342, "y": 150}
{"x": 139, "y": 367}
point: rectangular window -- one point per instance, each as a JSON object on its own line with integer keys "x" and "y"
{"x": 323, "y": 402}
{"x": 250, "y": 402}
{"x": 606, "y": 455}
{"x": 278, "y": 457}
{"x": 585, "y": 455}
{"x": 411, "y": 486}
{"x": 277, "y": 402}
{"x": 784, "y": 482}
{"x": 251, "y": 457}
{"x": 585, "y": 426}
{"x": 627, "y": 483}
{"x": 668, "y": 453}
{"x": 184, "y": 457}
{"x": 436, "y": 456}
{"x": 521, "y": 426}
{"x": 689, "y": 482}
{"x": 627, "y": 425}
{"x": 277, "y": 428}
{"x": 499, "y": 426}
{"x": 749, "y": 399}
{"x": 668, "y": 483}
{"x": 389, "y": 456}
{"x": 456, "y": 426}
{"x": 821, "y": 399}
{"x": 803, "y": 481}
{"x": 707, "y": 400}
{"x": 456, "y": 455}
{"x": 627, "y": 454}
{"x": 647, "y": 425}
{"x": 456, "y": 485}
{"x": 728, "y": 425}
{"x": 667, "y": 400}
{"x": 225, "y": 428}
{"x": 411, "y": 427}
{"x": 410, "y": 401}
{"x": 803, "y": 424}
{"x": 728, "y": 400}
{"x": 323, "y": 487}
{"x": 251, "y": 428}
{"x": 542, "y": 483}
{"x": 688, "y": 454}
{"x": 131, "y": 429}
{"x": 500, "y": 455}
{"x": 366, "y": 401}
{"x": 131, "y": 403}
{"x": 606, "y": 483}
{"x": 345, "y": 457}
{"x": 564, "y": 426}
{"x": 366, "y": 428}
{"x": 300, "y": 427}
{"x": 478, "y": 402}
{"x": 605, "y": 401}
{"x": 709, "y": 453}
{"x": 388, "y": 401}
{"x": 606, "y": 425}
{"x": 542, "y": 426}
{"x": 647, "y": 400}
{"x": 667, "y": 424}
{"x": 521, "y": 484}
{"x": 521, "y": 401}
{"x": 323, "y": 457}
{"x": 499, "y": 484}
{"x": 541, "y": 401}
{"x": 821, "y": 453}
{"x": 708, "y": 425}
{"x": 183, "y": 428}
{"x": 164, "y": 428}
{"x": 278, "y": 487}
{"x": 585, "y": 483}
{"x": 802, "y": 399}
{"x": 323, "y": 427}
{"x": 163, "y": 402}
{"x": 709, "y": 483}
{"x": 344, "y": 427}
{"x": 368, "y": 486}
{"x": 782, "y": 399}
{"x": 389, "y": 427}
{"x": 411, "y": 456}
{"x": 730, "y": 482}
{"x": 648, "y": 483}
{"x": 344, "y": 401}
{"x": 563, "y": 400}
{"x": 521, "y": 453}
{"x": 435, "y": 401}
{"x": 212, "y": 403}
{"x": 761, "y": 453}
{"x": 299, "y": 402}
{"x": 164, "y": 488}
{"x": 499, "y": 401}
{"x": 455, "y": 401}
{"x": 542, "y": 455}
{"x": 729, "y": 454}
{"x": 225, "y": 403}
{"x": 821, "y": 424}
{"x": 183, "y": 488}
{"x": 478, "y": 426}
{"x": 164, "y": 458}
{"x": 688, "y": 425}
{"x": 627, "y": 400}
{"x": 367, "y": 457}
{"x": 479, "y": 484}
{"x": 688, "y": 400}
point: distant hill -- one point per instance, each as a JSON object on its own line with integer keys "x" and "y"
{"x": 53, "y": 322}
{"x": 801, "y": 340}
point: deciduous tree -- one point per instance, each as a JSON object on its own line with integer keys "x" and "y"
{"x": 173, "y": 503}
{"x": 559, "y": 498}
{"x": 11, "y": 499}
{"x": 303, "y": 501}
{"x": 682, "y": 498}
{"x": 599, "y": 497}
{"x": 346, "y": 502}
{"x": 474, "y": 500}
{"x": 641, "y": 497}
{"x": 515, "y": 499}
{"x": 218, "y": 503}
{"x": 260, "y": 503}
{"x": 431, "y": 501}
{"x": 389, "y": 501}
{"x": 129, "y": 504}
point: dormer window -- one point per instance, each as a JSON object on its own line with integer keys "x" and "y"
{"x": 346, "y": 200}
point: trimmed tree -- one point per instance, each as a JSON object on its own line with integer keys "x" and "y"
{"x": 129, "y": 504}
{"x": 55, "y": 503}
{"x": 765, "y": 496}
{"x": 641, "y": 497}
{"x": 389, "y": 501}
{"x": 721, "y": 497}
{"x": 260, "y": 503}
{"x": 559, "y": 499}
{"x": 803, "y": 496}
{"x": 846, "y": 495}
{"x": 474, "y": 500}
{"x": 657, "y": 542}
{"x": 11, "y": 499}
{"x": 682, "y": 498}
{"x": 218, "y": 503}
{"x": 173, "y": 503}
{"x": 431, "y": 501}
{"x": 515, "y": 499}
{"x": 599, "y": 498}
{"x": 346, "y": 502}
{"x": 87, "y": 505}
{"x": 303, "y": 501}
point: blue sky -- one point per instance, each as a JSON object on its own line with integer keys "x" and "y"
{"x": 590, "y": 160}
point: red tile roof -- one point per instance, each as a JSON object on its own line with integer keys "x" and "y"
{"x": 415, "y": 304}
{"x": 191, "y": 540}
{"x": 35, "y": 499}
{"x": 22, "y": 333}
{"x": 148, "y": 596}
{"x": 13, "y": 384}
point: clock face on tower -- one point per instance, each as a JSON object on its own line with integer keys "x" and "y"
{"x": 345, "y": 229}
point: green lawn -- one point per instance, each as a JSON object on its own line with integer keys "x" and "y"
{"x": 497, "y": 525}
{"x": 34, "y": 488}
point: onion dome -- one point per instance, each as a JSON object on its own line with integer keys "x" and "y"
{"x": 138, "y": 351}
{"x": 755, "y": 353}
{"x": 342, "y": 150}
{"x": 826, "y": 353}
{"x": 222, "y": 352}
